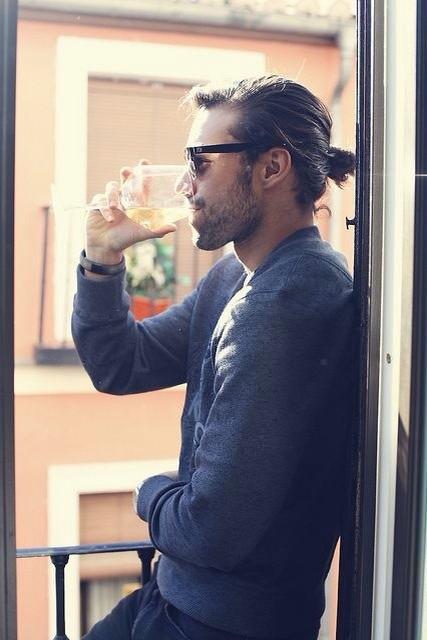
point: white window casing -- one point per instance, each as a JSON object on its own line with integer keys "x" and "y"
{"x": 77, "y": 60}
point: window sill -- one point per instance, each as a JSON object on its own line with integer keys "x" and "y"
{"x": 56, "y": 355}
{"x": 36, "y": 380}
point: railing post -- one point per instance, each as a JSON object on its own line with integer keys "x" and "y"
{"x": 60, "y": 562}
{"x": 146, "y": 555}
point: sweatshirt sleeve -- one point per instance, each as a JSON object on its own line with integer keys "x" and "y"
{"x": 273, "y": 365}
{"x": 123, "y": 356}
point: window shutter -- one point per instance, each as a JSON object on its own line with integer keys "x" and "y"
{"x": 109, "y": 517}
{"x": 128, "y": 121}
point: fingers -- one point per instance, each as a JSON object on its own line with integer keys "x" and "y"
{"x": 162, "y": 231}
{"x": 98, "y": 203}
{"x": 110, "y": 204}
{"x": 148, "y": 234}
{"x": 112, "y": 197}
{"x": 112, "y": 194}
{"x": 125, "y": 172}
{"x": 107, "y": 203}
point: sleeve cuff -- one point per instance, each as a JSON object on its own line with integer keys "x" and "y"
{"x": 149, "y": 491}
{"x": 101, "y": 298}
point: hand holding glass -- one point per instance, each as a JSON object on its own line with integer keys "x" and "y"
{"x": 150, "y": 196}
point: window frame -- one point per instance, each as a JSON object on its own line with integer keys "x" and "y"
{"x": 8, "y": 25}
{"x": 410, "y": 521}
{"x": 355, "y": 592}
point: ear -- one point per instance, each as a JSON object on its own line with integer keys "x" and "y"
{"x": 275, "y": 165}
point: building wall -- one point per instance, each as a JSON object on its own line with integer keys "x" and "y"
{"x": 314, "y": 65}
{"x": 69, "y": 429}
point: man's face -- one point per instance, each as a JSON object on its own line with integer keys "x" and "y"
{"x": 224, "y": 206}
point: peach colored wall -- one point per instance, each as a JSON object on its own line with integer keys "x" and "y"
{"x": 314, "y": 65}
{"x": 67, "y": 429}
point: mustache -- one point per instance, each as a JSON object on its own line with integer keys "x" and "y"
{"x": 197, "y": 202}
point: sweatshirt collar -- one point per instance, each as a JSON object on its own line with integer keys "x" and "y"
{"x": 302, "y": 235}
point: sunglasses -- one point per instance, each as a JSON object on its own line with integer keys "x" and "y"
{"x": 191, "y": 153}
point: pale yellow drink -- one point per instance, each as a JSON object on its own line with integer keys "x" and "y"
{"x": 155, "y": 217}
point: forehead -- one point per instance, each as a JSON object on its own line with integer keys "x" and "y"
{"x": 212, "y": 126}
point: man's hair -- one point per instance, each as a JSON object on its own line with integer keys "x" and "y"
{"x": 274, "y": 111}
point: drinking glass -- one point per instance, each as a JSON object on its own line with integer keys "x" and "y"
{"x": 150, "y": 195}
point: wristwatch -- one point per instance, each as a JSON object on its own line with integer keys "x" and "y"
{"x": 101, "y": 269}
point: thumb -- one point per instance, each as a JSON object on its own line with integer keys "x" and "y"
{"x": 162, "y": 231}
{"x": 147, "y": 234}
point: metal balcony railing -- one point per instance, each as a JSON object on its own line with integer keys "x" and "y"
{"x": 60, "y": 555}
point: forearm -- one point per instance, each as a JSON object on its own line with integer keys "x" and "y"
{"x": 123, "y": 356}
{"x": 101, "y": 330}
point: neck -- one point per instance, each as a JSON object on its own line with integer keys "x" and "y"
{"x": 272, "y": 230}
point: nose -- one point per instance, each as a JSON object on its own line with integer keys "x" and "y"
{"x": 185, "y": 185}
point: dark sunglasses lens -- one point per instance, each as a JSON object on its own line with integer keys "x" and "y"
{"x": 190, "y": 163}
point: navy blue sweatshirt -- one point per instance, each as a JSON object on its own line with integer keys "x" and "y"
{"x": 248, "y": 531}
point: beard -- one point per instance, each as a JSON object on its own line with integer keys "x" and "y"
{"x": 232, "y": 218}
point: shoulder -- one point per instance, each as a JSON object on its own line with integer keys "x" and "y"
{"x": 303, "y": 288}
{"x": 322, "y": 263}
{"x": 311, "y": 274}
{"x": 319, "y": 278}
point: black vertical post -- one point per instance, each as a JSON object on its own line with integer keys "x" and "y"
{"x": 60, "y": 562}
{"x": 146, "y": 555}
{"x": 8, "y": 21}
{"x": 418, "y": 447}
{"x": 358, "y": 536}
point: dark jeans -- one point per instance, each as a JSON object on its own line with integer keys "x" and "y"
{"x": 145, "y": 615}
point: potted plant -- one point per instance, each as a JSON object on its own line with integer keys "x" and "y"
{"x": 150, "y": 277}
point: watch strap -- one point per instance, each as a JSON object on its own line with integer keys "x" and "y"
{"x": 101, "y": 269}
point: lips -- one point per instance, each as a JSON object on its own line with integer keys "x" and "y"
{"x": 193, "y": 212}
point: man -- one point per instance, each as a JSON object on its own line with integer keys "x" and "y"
{"x": 248, "y": 525}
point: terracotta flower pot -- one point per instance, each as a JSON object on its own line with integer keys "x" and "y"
{"x": 144, "y": 307}
{"x": 161, "y": 304}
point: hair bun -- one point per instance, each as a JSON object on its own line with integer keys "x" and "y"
{"x": 342, "y": 164}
